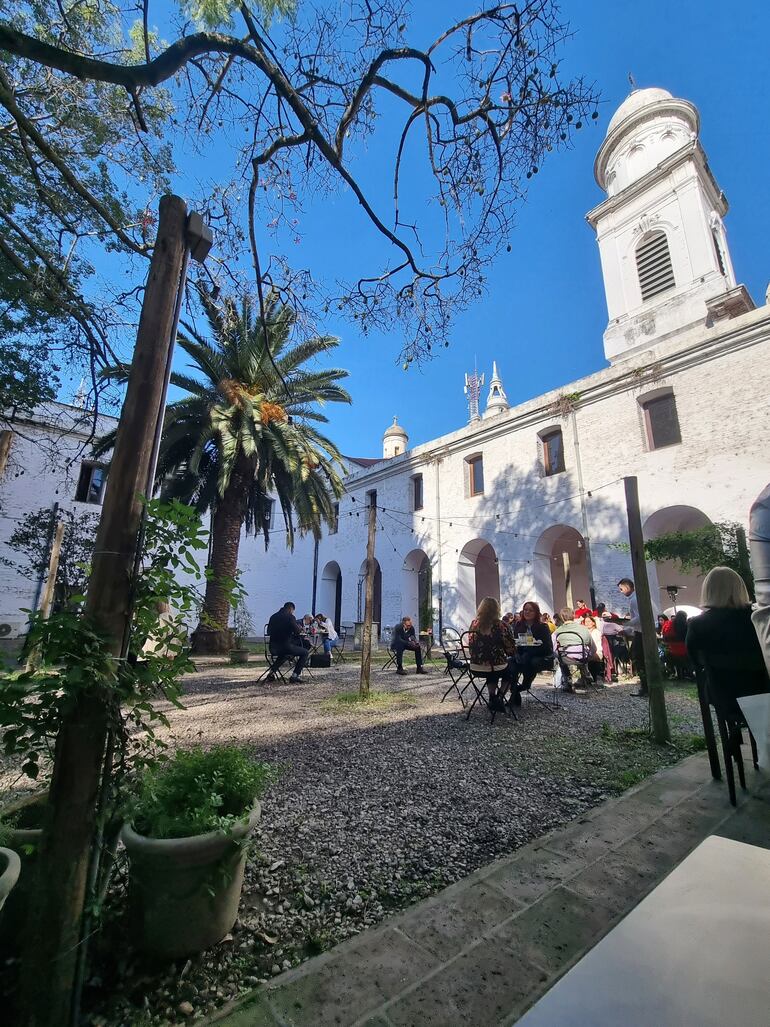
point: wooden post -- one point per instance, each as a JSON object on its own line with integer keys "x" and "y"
{"x": 366, "y": 634}
{"x": 567, "y": 579}
{"x": 658, "y": 717}
{"x": 53, "y": 566}
{"x": 54, "y": 921}
{"x": 744, "y": 564}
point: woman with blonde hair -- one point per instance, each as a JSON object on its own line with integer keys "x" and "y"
{"x": 490, "y": 643}
{"x": 726, "y": 654}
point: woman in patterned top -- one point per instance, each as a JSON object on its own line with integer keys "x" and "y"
{"x": 490, "y": 643}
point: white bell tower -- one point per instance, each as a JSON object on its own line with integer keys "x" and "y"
{"x": 661, "y": 239}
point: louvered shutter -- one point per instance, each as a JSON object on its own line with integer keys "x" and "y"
{"x": 653, "y": 265}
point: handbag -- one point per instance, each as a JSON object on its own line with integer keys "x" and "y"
{"x": 321, "y": 660}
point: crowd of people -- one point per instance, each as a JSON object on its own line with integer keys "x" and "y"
{"x": 510, "y": 650}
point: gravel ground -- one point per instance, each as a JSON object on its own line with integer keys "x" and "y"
{"x": 375, "y": 808}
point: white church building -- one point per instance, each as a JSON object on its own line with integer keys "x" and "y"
{"x": 525, "y": 502}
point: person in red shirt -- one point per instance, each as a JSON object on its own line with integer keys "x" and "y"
{"x": 581, "y": 610}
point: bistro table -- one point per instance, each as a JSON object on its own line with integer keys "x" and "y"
{"x": 693, "y": 953}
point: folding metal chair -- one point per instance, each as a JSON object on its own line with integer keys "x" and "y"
{"x": 456, "y": 665}
{"x": 729, "y": 678}
{"x": 573, "y": 651}
{"x": 391, "y": 660}
{"x": 474, "y": 677}
{"x": 338, "y": 650}
{"x": 273, "y": 662}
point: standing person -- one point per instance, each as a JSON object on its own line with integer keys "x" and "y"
{"x": 529, "y": 660}
{"x": 331, "y": 639}
{"x": 634, "y": 630}
{"x": 286, "y": 640}
{"x": 490, "y": 643}
{"x": 404, "y": 638}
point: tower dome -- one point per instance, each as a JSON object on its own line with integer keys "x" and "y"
{"x": 636, "y": 101}
{"x": 394, "y": 441}
{"x": 649, "y": 126}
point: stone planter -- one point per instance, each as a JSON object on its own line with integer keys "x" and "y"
{"x": 24, "y": 840}
{"x": 10, "y": 865}
{"x": 239, "y": 655}
{"x": 184, "y": 892}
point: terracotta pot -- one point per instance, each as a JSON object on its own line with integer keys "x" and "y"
{"x": 185, "y": 891}
{"x": 10, "y": 865}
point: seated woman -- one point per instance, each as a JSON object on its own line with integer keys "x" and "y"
{"x": 723, "y": 644}
{"x": 596, "y": 666}
{"x": 490, "y": 643}
{"x": 674, "y": 638}
{"x": 524, "y": 667}
{"x": 331, "y": 639}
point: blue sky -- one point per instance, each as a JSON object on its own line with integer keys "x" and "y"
{"x": 544, "y": 313}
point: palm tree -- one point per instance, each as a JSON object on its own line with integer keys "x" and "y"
{"x": 244, "y": 432}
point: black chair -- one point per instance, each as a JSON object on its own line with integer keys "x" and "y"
{"x": 273, "y": 662}
{"x": 391, "y": 660}
{"x": 479, "y": 680}
{"x": 728, "y": 678}
{"x": 548, "y": 662}
{"x": 338, "y": 650}
{"x": 456, "y": 665}
{"x": 573, "y": 651}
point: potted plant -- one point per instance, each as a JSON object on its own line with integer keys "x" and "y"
{"x": 243, "y": 626}
{"x": 10, "y": 865}
{"x": 186, "y": 843}
{"x": 20, "y": 834}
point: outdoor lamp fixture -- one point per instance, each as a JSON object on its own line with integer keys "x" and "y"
{"x": 672, "y": 593}
{"x": 200, "y": 238}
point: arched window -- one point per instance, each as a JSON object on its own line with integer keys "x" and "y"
{"x": 653, "y": 265}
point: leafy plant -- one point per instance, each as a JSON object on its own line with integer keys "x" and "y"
{"x": 243, "y": 625}
{"x": 31, "y": 539}
{"x": 198, "y": 791}
{"x": 722, "y": 544}
{"x": 564, "y": 404}
{"x": 73, "y": 656}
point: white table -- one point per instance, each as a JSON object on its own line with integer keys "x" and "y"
{"x": 694, "y": 953}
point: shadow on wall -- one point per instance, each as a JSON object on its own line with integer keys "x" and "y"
{"x": 525, "y": 541}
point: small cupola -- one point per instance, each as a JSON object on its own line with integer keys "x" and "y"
{"x": 497, "y": 401}
{"x": 394, "y": 441}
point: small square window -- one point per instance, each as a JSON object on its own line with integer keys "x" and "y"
{"x": 662, "y": 422}
{"x": 476, "y": 475}
{"x": 91, "y": 483}
{"x": 417, "y": 496}
{"x": 553, "y": 452}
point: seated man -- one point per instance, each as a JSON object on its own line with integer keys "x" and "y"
{"x": 331, "y": 639}
{"x": 570, "y": 651}
{"x": 404, "y": 638}
{"x": 285, "y": 640}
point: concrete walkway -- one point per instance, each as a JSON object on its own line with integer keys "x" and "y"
{"x": 482, "y": 951}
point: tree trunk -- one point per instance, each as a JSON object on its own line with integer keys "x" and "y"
{"x": 212, "y": 635}
{"x": 54, "y": 923}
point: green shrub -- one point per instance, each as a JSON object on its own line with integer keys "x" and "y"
{"x": 198, "y": 791}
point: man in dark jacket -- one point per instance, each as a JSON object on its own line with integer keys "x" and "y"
{"x": 404, "y": 638}
{"x": 285, "y": 640}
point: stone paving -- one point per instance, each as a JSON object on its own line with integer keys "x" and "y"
{"x": 484, "y": 950}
